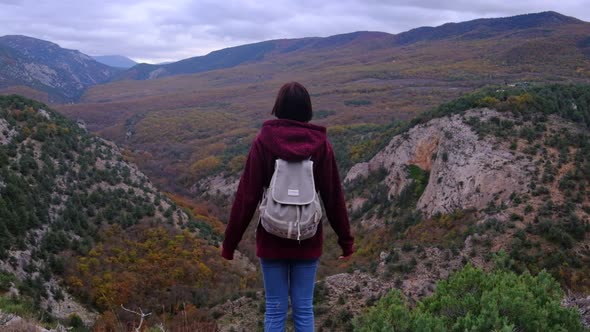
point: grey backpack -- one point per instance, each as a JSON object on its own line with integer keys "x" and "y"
{"x": 290, "y": 206}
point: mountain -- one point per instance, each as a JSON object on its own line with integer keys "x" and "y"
{"x": 117, "y": 61}
{"x": 215, "y": 60}
{"x": 495, "y": 171}
{"x": 82, "y": 231}
{"x": 233, "y": 56}
{"x": 65, "y": 74}
{"x": 186, "y": 128}
{"x": 486, "y": 27}
{"x": 191, "y": 133}
{"x": 437, "y": 176}
{"x": 244, "y": 54}
{"x": 44, "y": 66}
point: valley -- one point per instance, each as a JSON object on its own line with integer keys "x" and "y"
{"x": 361, "y": 78}
{"x": 463, "y": 148}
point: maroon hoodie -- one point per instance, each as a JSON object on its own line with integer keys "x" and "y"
{"x": 288, "y": 140}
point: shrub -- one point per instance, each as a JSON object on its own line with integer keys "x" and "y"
{"x": 205, "y": 166}
{"x": 75, "y": 321}
{"x": 6, "y": 280}
{"x": 472, "y": 300}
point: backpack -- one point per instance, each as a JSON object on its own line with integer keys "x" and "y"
{"x": 290, "y": 206}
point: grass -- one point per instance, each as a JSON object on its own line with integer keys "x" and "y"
{"x": 17, "y": 306}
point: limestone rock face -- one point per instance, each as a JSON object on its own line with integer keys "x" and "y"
{"x": 466, "y": 171}
{"x": 217, "y": 185}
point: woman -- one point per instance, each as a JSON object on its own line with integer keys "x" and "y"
{"x": 289, "y": 266}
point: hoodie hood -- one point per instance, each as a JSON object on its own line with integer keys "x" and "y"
{"x": 292, "y": 140}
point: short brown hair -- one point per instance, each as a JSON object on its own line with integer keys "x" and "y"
{"x": 293, "y": 103}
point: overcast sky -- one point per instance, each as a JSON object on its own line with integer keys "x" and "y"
{"x": 165, "y": 30}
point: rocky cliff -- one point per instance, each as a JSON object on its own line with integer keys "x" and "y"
{"x": 466, "y": 171}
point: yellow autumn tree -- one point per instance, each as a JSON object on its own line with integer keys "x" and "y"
{"x": 205, "y": 166}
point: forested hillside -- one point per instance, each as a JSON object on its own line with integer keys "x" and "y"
{"x": 82, "y": 232}
{"x": 504, "y": 172}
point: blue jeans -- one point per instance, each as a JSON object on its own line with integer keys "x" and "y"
{"x": 284, "y": 278}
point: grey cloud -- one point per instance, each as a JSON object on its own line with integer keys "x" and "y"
{"x": 10, "y": 2}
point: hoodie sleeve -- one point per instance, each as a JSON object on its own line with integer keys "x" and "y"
{"x": 247, "y": 198}
{"x": 328, "y": 181}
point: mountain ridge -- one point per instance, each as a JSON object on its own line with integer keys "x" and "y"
{"x": 243, "y": 54}
{"x": 267, "y": 48}
{"x": 42, "y": 65}
{"x": 490, "y": 26}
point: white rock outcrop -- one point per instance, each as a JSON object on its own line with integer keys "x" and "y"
{"x": 6, "y": 133}
{"x": 465, "y": 171}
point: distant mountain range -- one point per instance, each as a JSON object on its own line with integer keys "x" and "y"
{"x": 360, "y": 41}
{"x": 117, "y": 61}
{"x": 65, "y": 74}
{"x": 234, "y": 56}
